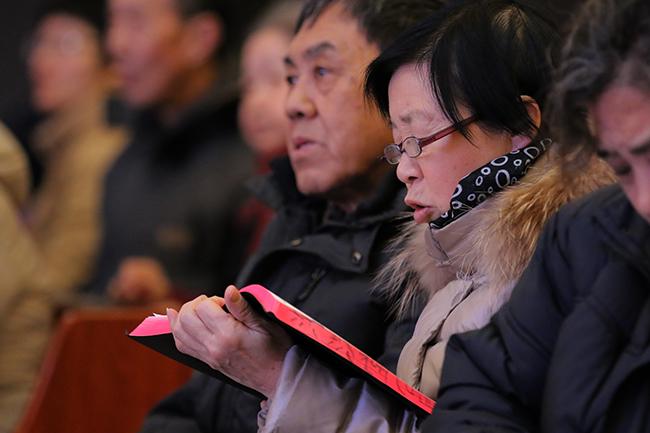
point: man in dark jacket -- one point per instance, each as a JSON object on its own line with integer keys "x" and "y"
{"x": 171, "y": 197}
{"x": 570, "y": 352}
{"x": 337, "y": 204}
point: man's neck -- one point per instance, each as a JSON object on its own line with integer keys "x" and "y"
{"x": 361, "y": 188}
{"x": 186, "y": 93}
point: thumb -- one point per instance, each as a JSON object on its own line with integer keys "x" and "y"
{"x": 239, "y": 308}
{"x": 172, "y": 316}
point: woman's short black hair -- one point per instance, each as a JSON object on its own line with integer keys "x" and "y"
{"x": 482, "y": 55}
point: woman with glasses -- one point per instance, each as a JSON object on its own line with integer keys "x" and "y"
{"x": 464, "y": 92}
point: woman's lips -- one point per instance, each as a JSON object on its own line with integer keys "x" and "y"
{"x": 421, "y": 214}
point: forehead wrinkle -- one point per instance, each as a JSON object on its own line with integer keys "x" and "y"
{"x": 318, "y": 49}
{"x": 311, "y": 53}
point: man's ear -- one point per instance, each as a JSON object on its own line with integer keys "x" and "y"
{"x": 535, "y": 114}
{"x": 203, "y": 37}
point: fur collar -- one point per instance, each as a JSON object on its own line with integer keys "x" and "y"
{"x": 492, "y": 244}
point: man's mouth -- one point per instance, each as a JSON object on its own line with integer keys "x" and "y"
{"x": 299, "y": 143}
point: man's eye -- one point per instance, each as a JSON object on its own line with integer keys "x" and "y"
{"x": 320, "y": 71}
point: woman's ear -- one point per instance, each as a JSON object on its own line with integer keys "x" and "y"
{"x": 535, "y": 114}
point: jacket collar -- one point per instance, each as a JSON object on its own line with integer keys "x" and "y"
{"x": 624, "y": 230}
{"x": 278, "y": 189}
{"x": 345, "y": 241}
{"x": 60, "y": 128}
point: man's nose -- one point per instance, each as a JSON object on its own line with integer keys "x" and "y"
{"x": 298, "y": 103}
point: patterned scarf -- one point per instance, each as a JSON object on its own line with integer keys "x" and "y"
{"x": 488, "y": 180}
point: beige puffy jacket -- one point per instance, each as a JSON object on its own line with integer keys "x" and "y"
{"x": 24, "y": 306}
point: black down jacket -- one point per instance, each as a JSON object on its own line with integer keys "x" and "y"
{"x": 570, "y": 352}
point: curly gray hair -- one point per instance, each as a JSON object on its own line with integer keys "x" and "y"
{"x": 609, "y": 44}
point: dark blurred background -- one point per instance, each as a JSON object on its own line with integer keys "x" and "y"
{"x": 15, "y": 21}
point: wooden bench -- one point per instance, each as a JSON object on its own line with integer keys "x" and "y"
{"x": 95, "y": 379}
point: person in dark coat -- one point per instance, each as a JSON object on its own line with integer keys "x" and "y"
{"x": 570, "y": 351}
{"x": 337, "y": 204}
{"x": 171, "y": 199}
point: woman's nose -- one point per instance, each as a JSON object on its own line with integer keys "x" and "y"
{"x": 408, "y": 170}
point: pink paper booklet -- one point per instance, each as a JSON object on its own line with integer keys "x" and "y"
{"x": 154, "y": 332}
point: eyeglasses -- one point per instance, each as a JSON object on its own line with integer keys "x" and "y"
{"x": 412, "y": 146}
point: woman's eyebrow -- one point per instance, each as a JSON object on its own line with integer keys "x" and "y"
{"x": 414, "y": 114}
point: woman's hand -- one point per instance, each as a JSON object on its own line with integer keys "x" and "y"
{"x": 241, "y": 344}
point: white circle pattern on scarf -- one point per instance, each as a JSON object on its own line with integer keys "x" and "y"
{"x": 488, "y": 180}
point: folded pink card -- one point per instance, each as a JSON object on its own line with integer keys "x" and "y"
{"x": 154, "y": 332}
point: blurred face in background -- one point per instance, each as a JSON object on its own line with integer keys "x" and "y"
{"x": 620, "y": 121}
{"x": 154, "y": 49}
{"x": 262, "y": 118}
{"x": 65, "y": 62}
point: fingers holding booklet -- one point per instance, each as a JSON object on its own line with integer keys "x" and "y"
{"x": 243, "y": 339}
{"x": 235, "y": 340}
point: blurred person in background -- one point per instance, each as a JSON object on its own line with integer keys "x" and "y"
{"x": 24, "y": 299}
{"x": 262, "y": 120}
{"x": 171, "y": 197}
{"x": 70, "y": 83}
{"x": 49, "y": 252}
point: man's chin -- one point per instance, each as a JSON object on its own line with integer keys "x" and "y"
{"x": 309, "y": 186}
{"x": 138, "y": 99}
